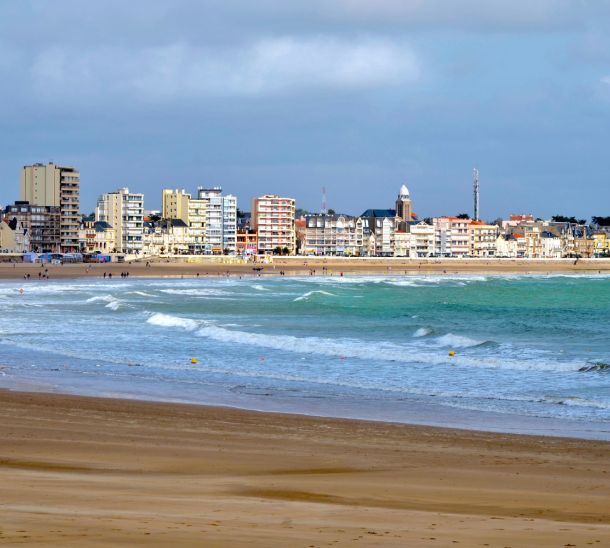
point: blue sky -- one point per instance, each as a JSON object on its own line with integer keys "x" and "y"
{"x": 287, "y": 97}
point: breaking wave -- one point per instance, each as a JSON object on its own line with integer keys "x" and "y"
{"x": 306, "y": 296}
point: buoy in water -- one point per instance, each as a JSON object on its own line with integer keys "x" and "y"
{"x": 193, "y": 360}
{"x": 21, "y": 291}
{"x": 451, "y": 353}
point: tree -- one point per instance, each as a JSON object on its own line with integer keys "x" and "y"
{"x": 277, "y": 250}
{"x": 155, "y": 218}
{"x": 331, "y": 212}
{"x": 285, "y": 251}
{"x": 564, "y": 219}
{"x": 463, "y": 216}
{"x": 600, "y": 221}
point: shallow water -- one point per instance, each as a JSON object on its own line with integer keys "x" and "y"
{"x": 368, "y": 347}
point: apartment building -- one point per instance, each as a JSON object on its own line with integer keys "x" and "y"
{"x": 273, "y": 219}
{"x": 96, "y": 237}
{"x": 50, "y": 185}
{"x": 378, "y": 227}
{"x": 247, "y": 241}
{"x": 483, "y": 239}
{"x": 168, "y": 236}
{"x": 328, "y": 235}
{"x": 37, "y": 228}
{"x": 413, "y": 240}
{"x": 220, "y": 220}
{"x": 175, "y": 204}
{"x": 451, "y": 236}
{"x": 124, "y": 211}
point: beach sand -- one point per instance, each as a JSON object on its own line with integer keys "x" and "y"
{"x": 78, "y": 471}
{"x": 300, "y": 266}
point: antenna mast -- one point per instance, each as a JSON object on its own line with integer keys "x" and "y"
{"x": 324, "y": 210}
{"x": 475, "y": 185}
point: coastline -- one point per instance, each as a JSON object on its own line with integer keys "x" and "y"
{"x": 302, "y": 266}
{"x": 80, "y": 471}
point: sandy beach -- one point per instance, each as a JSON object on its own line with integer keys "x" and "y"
{"x": 300, "y": 266}
{"x": 81, "y": 471}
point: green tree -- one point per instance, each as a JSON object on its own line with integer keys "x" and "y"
{"x": 600, "y": 221}
{"x": 564, "y": 219}
{"x": 463, "y": 216}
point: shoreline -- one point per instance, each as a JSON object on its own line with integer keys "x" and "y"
{"x": 413, "y": 412}
{"x": 303, "y": 266}
{"x": 80, "y": 471}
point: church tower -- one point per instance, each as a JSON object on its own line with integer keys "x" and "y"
{"x": 403, "y": 205}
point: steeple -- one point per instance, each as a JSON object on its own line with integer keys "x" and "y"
{"x": 403, "y": 204}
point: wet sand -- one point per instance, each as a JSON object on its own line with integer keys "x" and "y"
{"x": 81, "y": 471}
{"x": 295, "y": 266}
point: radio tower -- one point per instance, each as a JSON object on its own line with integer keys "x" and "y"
{"x": 324, "y": 210}
{"x": 475, "y": 186}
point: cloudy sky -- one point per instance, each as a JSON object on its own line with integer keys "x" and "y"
{"x": 359, "y": 96}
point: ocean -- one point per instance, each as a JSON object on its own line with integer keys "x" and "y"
{"x": 532, "y": 353}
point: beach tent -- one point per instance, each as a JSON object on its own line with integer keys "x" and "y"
{"x": 30, "y": 257}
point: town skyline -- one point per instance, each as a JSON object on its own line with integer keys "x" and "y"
{"x": 48, "y": 219}
{"x": 7, "y": 196}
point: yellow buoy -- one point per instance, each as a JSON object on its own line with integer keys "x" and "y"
{"x": 451, "y": 353}
{"x": 193, "y": 360}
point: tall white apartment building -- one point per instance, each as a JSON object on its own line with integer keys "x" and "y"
{"x": 220, "y": 220}
{"x": 273, "y": 219}
{"x": 124, "y": 211}
{"x": 51, "y": 185}
{"x": 452, "y": 236}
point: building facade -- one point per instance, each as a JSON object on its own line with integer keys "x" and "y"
{"x": 483, "y": 239}
{"x": 328, "y": 235}
{"x": 50, "y": 185}
{"x": 220, "y": 220}
{"x": 97, "y": 237}
{"x": 247, "y": 241}
{"x": 273, "y": 219}
{"x": 451, "y": 236}
{"x": 37, "y": 228}
{"x": 124, "y": 211}
{"x": 8, "y": 243}
{"x": 175, "y": 204}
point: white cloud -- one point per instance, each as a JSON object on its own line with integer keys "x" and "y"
{"x": 268, "y": 66}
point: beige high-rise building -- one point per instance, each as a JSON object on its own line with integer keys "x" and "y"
{"x": 179, "y": 204}
{"x": 273, "y": 218}
{"x": 55, "y": 186}
{"x": 175, "y": 204}
{"x": 123, "y": 211}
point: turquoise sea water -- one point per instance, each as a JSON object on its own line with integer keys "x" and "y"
{"x": 531, "y": 351}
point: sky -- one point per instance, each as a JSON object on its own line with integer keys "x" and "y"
{"x": 282, "y": 97}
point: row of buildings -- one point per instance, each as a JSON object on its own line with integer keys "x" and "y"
{"x": 47, "y": 219}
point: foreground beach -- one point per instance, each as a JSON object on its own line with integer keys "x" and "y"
{"x": 303, "y": 266}
{"x": 81, "y": 471}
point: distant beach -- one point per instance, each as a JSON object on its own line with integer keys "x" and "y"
{"x": 300, "y": 266}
